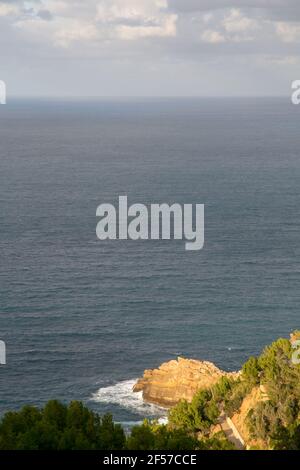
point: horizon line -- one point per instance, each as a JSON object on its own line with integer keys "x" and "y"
{"x": 148, "y": 97}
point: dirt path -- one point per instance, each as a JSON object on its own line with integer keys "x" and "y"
{"x": 231, "y": 432}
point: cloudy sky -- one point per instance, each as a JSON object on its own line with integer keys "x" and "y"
{"x": 149, "y": 47}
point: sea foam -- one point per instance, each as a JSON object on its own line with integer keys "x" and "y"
{"x": 122, "y": 394}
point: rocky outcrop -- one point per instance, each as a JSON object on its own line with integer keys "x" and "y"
{"x": 177, "y": 380}
{"x": 295, "y": 336}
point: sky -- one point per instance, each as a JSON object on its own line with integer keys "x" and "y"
{"x": 115, "y": 48}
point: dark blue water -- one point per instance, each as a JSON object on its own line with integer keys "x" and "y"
{"x": 79, "y": 315}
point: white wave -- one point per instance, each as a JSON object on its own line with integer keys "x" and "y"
{"x": 163, "y": 420}
{"x": 122, "y": 394}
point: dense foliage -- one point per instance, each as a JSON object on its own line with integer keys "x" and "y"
{"x": 59, "y": 427}
{"x": 275, "y": 420}
{"x": 197, "y": 416}
{"x": 155, "y": 437}
{"x": 152, "y": 436}
{"x": 75, "y": 427}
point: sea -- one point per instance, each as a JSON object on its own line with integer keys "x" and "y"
{"x": 83, "y": 318}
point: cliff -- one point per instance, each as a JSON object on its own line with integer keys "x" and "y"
{"x": 178, "y": 379}
{"x": 250, "y": 402}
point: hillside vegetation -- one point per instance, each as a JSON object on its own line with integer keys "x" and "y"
{"x": 263, "y": 402}
{"x": 266, "y": 395}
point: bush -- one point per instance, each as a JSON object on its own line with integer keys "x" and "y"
{"x": 151, "y": 436}
{"x": 251, "y": 371}
{"x": 155, "y": 437}
{"x": 197, "y": 416}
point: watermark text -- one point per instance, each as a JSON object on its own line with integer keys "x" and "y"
{"x": 159, "y": 222}
{"x": 296, "y": 92}
{"x": 2, "y": 353}
{"x": 2, "y": 92}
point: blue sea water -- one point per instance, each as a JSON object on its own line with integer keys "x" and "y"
{"x": 81, "y": 318}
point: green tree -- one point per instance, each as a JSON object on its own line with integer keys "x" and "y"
{"x": 59, "y": 427}
{"x": 251, "y": 371}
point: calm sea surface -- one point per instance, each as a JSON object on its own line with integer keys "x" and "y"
{"x": 82, "y": 318}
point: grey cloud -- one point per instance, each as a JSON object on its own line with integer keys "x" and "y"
{"x": 280, "y": 10}
{"x": 202, "y": 5}
{"x": 45, "y": 15}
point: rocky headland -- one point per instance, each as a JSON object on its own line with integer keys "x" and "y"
{"x": 178, "y": 380}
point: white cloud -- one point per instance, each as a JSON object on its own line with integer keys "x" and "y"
{"x": 75, "y": 30}
{"x": 116, "y": 28}
{"x": 132, "y": 38}
{"x": 93, "y": 20}
{"x": 7, "y": 9}
{"x": 212, "y": 37}
{"x": 288, "y": 32}
{"x": 137, "y": 18}
{"x": 231, "y": 26}
{"x": 166, "y": 28}
{"x": 236, "y": 22}
{"x": 58, "y": 7}
{"x": 62, "y": 33}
